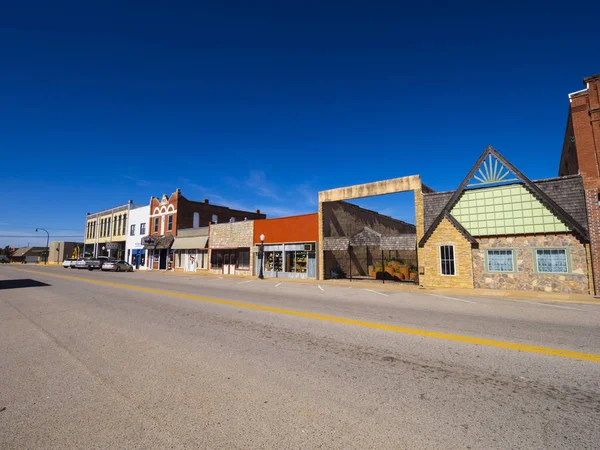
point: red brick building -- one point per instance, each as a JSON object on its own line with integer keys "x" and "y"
{"x": 170, "y": 213}
{"x": 581, "y": 155}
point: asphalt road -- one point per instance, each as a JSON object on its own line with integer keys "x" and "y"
{"x": 95, "y": 364}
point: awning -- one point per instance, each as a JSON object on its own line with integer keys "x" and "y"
{"x": 162, "y": 242}
{"x": 190, "y": 243}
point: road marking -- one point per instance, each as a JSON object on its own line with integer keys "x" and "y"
{"x": 321, "y": 288}
{"x": 278, "y": 284}
{"x": 452, "y": 298}
{"x": 247, "y": 281}
{"x": 561, "y": 353}
{"x": 558, "y": 306}
{"x": 375, "y": 292}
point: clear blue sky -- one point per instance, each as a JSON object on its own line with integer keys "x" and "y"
{"x": 263, "y": 104}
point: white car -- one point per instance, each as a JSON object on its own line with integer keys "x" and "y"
{"x": 117, "y": 266}
{"x": 69, "y": 262}
{"x": 81, "y": 263}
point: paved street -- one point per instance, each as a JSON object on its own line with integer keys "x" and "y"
{"x": 146, "y": 360}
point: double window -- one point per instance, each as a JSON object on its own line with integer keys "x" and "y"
{"x": 551, "y": 260}
{"x": 448, "y": 265}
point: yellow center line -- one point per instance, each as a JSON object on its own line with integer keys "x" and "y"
{"x": 359, "y": 323}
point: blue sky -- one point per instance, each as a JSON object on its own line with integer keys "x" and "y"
{"x": 263, "y": 104}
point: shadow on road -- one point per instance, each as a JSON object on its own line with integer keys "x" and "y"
{"x": 17, "y": 284}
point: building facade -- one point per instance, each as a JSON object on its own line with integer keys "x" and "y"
{"x": 500, "y": 230}
{"x": 170, "y": 213}
{"x": 230, "y": 245}
{"x": 106, "y": 231}
{"x": 137, "y": 230}
{"x": 191, "y": 249}
{"x": 581, "y": 155}
{"x": 61, "y": 250}
{"x": 290, "y": 246}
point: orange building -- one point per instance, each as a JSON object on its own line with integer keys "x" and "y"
{"x": 290, "y": 246}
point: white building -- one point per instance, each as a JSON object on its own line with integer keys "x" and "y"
{"x": 138, "y": 229}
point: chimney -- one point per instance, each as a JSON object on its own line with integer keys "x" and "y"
{"x": 178, "y": 191}
{"x": 258, "y": 211}
{"x": 206, "y": 201}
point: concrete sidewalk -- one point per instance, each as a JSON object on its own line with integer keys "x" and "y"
{"x": 410, "y": 287}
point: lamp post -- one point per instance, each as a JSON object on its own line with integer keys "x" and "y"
{"x": 262, "y": 256}
{"x": 47, "y": 243}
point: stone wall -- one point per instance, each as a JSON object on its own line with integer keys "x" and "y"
{"x": 429, "y": 258}
{"x": 526, "y": 278}
{"x": 231, "y": 235}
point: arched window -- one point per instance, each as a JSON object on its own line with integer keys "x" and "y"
{"x": 196, "y": 220}
{"x": 124, "y": 227}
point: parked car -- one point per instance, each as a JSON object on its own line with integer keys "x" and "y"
{"x": 81, "y": 263}
{"x": 69, "y": 262}
{"x": 96, "y": 263}
{"x": 117, "y": 266}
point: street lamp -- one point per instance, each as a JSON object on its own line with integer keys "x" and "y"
{"x": 47, "y": 243}
{"x": 262, "y": 256}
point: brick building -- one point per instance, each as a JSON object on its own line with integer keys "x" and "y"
{"x": 500, "y": 230}
{"x": 581, "y": 155}
{"x": 170, "y": 213}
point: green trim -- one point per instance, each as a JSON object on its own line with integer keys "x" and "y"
{"x": 514, "y": 258}
{"x": 567, "y": 255}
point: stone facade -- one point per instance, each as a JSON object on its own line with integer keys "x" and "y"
{"x": 231, "y": 235}
{"x": 429, "y": 259}
{"x": 525, "y": 278}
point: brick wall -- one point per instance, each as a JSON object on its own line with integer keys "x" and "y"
{"x": 205, "y": 210}
{"x": 583, "y": 130}
{"x": 429, "y": 258}
{"x": 525, "y": 278}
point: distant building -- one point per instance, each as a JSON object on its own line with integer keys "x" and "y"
{"x": 28, "y": 255}
{"x": 106, "y": 231}
{"x": 581, "y": 156}
{"x": 137, "y": 230}
{"x": 61, "y": 250}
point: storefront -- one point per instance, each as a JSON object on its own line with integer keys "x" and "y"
{"x": 290, "y": 246}
{"x": 230, "y": 245}
{"x": 138, "y": 258}
{"x": 230, "y": 261}
{"x": 159, "y": 252}
{"x": 190, "y": 249}
{"x": 296, "y": 260}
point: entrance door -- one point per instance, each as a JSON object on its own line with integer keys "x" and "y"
{"x": 137, "y": 259}
{"x": 162, "y": 262}
{"x": 229, "y": 263}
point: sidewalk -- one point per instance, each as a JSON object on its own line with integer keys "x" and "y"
{"x": 409, "y": 287}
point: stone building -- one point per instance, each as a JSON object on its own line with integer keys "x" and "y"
{"x": 500, "y": 230}
{"x": 170, "y": 213}
{"x": 230, "y": 245}
{"x": 581, "y": 155}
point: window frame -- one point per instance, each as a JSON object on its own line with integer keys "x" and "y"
{"x": 568, "y": 262}
{"x": 156, "y": 220}
{"x": 132, "y": 229}
{"x": 142, "y": 228}
{"x": 170, "y": 223}
{"x": 442, "y": 260}
{"x": 486, "y": 268}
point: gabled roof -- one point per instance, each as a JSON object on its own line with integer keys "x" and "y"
{"x": 547, "y": 189}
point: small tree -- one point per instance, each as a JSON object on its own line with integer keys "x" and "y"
{"x": 6, "y": 251}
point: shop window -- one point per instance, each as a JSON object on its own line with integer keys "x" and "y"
{"x": 156, "y": 224}
{"x": 243, "y": 259}
{"x": 170, "y": 223}
{"x": 180, "y": 257}
{"x": 296, "y": 261}
{"x": 216, "y": 260}
{"x": 500, "y": 261}
{"x": 202, "y": 257}
{"x": 447, "y": 260}
{"x": 273, "y": 262}
{"x": 132, "y": 230}
{"x": 143, "y": 228}
{"x": 552, "y": 261}
{"x": 143, "y": 259}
